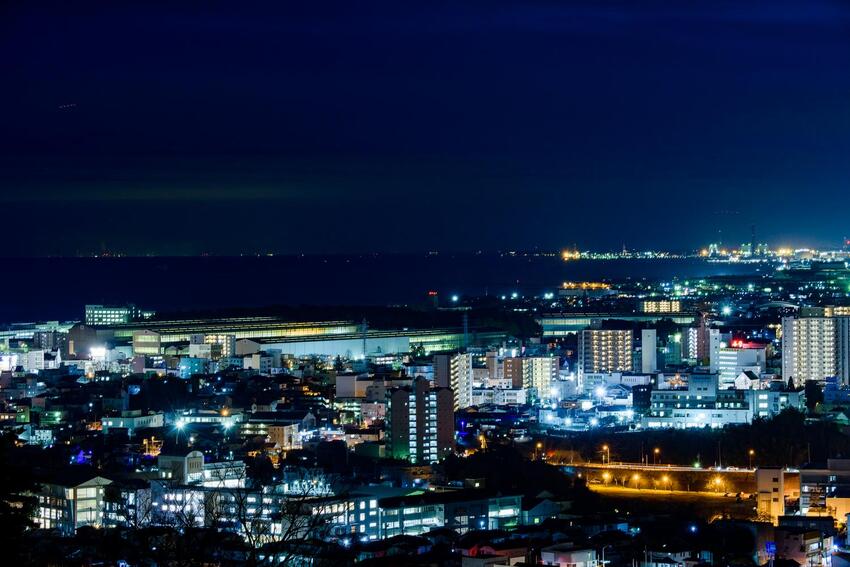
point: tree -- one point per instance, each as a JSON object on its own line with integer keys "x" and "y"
{"x": 278, "y": 516}
{"x": 814, "y": 395}
{"x": 17, "y": 502}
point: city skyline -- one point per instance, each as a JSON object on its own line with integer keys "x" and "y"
{"x": 387, "y": 128}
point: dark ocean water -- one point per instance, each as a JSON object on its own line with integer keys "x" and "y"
{"x": 58, "y": 288}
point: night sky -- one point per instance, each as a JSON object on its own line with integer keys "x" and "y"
{"x": 403, "y": 126}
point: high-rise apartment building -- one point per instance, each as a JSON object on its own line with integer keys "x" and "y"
{"x": 512, "y": 370}
{"x": 815, "y": 348}
{"x": 540, "y": 373}
{"x": 442, "y": 370}
{"x": 605, "y": 351}
{"x": 461, "y": 379}
{"x": 420, "y": 422}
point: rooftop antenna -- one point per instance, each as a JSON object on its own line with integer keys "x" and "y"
{"x": 364, "y": 327}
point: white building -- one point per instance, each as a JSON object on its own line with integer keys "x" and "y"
{"x": 648, "y": 351}
{"x": 815, "y": 348}
{"x": 131, "y": 421}
{"x": 539, "y": 372}
{"x": 733, "y": 361}
{"x": 67, "y": 505}
{"x": 499, "y": 396}
{"x": 461, "y": 379}
{"x": 592, "y": 382}
{"x": 146, "y": 342}
{"x": 703, "y": 404}
{"x": 770, "y": 493}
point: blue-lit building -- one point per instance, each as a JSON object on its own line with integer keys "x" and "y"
{"x": 189, "y": 366}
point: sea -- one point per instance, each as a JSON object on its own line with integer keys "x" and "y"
{"x": 41, "y": 289}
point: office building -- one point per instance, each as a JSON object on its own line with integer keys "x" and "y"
{"x": 661, "y": 306}
{"x": 146, "y": 343}
{"x": 704, "y": 404}
{"x": 733, "y": 361}
{"x": 461, "y": 510}
{"x": 420, "y": 422}
{"x": 132, "y": 420}
{"x": 70, "y": 502}
{"x": 499, "y": 396}
{"x": 105, "y": 315}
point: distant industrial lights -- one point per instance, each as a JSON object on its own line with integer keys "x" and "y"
{"x": 514, "y": 295}
{"x": 455, "y": 298}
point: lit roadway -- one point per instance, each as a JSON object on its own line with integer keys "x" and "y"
{"x": 654, "y": 468}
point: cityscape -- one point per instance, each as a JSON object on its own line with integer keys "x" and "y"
{"x": 449, "y": 284}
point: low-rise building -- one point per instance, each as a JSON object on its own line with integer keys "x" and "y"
{"x": 71, "y": 501}
{"x": 130, "y": 421}
{"x": 461, "y": 511}
{"x": 703, "y": 404}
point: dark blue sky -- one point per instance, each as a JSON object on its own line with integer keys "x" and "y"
{"x": 394, "y": 126}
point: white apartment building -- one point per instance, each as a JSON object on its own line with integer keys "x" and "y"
{"x": 815, "y": 348}
{"x": 540, "y": 372}
{"x": 461, "y": 379}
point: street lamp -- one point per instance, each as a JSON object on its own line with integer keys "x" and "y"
{"x": 636, "y": 479}
{"x": 539, "y": 446}
{"x": 606, "y": 451}
{"x": 718, "y": 482}
{"x": 751, "y": 453}
{"x": 666, "y": 480}
{"x": 606, "y": 476}
{"x": 655, "y": 454}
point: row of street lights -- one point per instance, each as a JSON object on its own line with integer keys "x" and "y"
{"x": 634, "y": 480}
{"x": 656, "y": 455}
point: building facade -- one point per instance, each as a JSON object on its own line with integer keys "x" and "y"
{"x": 420, "y": 422}
{"x": 605, "y": 351}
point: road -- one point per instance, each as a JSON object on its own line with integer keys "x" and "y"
{"x": 696, "y": 504}
{"x": 656, "y": 468}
